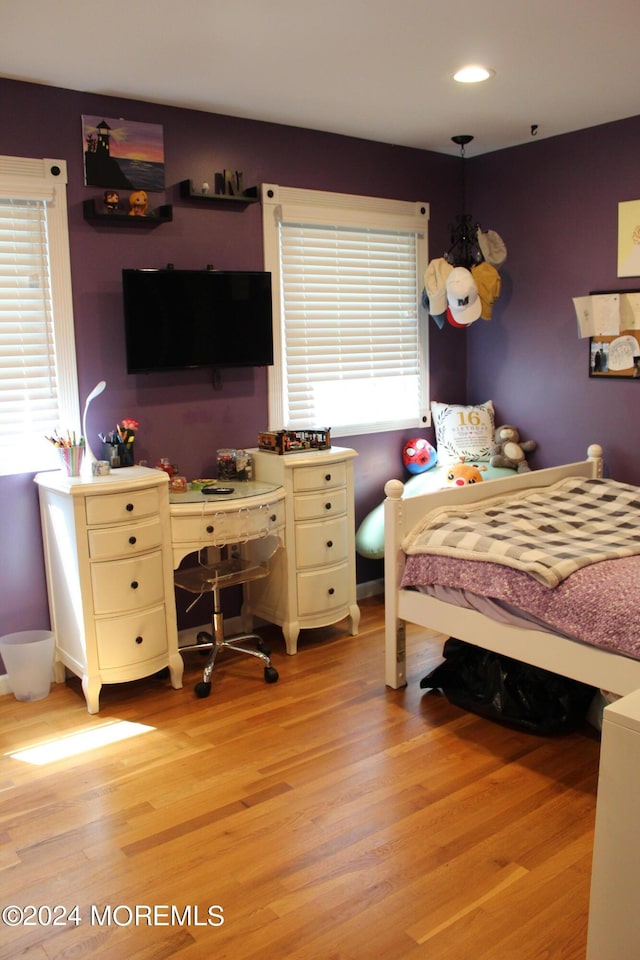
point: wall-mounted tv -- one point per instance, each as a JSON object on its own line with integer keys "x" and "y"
{"x": 185, "y": 319}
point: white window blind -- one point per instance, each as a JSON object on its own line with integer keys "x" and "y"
{"x": 38, "y": 387}
{"x": 350, "y": 341}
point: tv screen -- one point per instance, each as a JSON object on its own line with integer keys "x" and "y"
{"x": 185, "y": 319}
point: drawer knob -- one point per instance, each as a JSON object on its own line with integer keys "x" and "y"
{"x": 138, "y": 640}
{"x": 209, "y": 529}
{"x": 329, "y": 543}
{"x": 273, "y": 518}
{"x": 129, "y": 507}
{"x": 327, "y": 477}
{"x": 327, "y": 506}
{"x": 331, "y": 591}
{"x": 134, "y": 584}
{"x": 132, "y": 540}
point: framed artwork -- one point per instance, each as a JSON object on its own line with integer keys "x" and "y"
{"x": 122, "y": 154}
{"x": 629, "y": 238}
{"x": 615, "y": 357}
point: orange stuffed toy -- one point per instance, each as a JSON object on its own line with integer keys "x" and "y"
{"x": 460, "y": 474}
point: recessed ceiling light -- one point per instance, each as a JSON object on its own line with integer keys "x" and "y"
{"x": 473, "y": 74}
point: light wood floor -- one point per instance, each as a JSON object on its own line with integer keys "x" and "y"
{"x": 329, "y": 817}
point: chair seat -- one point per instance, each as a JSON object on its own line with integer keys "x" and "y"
{"x": 205, "y": 578}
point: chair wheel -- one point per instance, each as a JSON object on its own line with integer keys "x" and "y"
{"x": 202, "y": 689}
{"x": 262, "y": 648}
{"x": 270, "y": 674}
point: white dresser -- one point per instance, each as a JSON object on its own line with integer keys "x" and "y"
{"x": 107, "y": 547}
{"x": 313, "y": 580}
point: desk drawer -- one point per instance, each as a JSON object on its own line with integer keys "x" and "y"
{"x": 319, "y": 477}
{"x": 124, "y": 540}
{"x": 123, "y": 641}
{"x": 327, "y": 503}
{"x": 116, "y": 507}
{"x": 210, "y": 529}
{"x": 124, "y": 585}
{"x": 320, "y": 543}
{"x": 321, "y": 591}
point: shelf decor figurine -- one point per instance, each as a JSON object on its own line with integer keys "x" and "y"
{"x": 138, "y": 202}
{"x": 111, "y": 201}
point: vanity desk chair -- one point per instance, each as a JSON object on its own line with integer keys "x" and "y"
{"x": 210, "y": 578}
{"x": 233, "y": 535}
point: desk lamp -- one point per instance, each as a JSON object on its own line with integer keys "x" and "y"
{"x": 89, "y": 456}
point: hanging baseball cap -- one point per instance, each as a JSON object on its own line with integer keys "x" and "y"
{"x": 489, "y": 285}
{"x": 492, "y": 247}
{"x": 462, "y": 296}
{"x": 435, "y": 284}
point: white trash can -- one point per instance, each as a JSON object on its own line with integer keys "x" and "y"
{"x": 28, "y": 659}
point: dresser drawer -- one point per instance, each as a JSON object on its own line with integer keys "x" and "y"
{"x": 126, "y": 585}
{"x": 123, "y": 641}
{"x": 234, "y": 526}
{"x": 123, "y": 540}
{"x": 324, "y": 590}
{"x": 327, "y": 503}
{"x": 116, "y": 507}
{"x": 320, "y": 543}
{"x": 319, "y": 477}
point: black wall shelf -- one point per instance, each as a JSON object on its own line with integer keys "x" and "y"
{"x": 163, "y": 214}
{"x": 188, "y": 192}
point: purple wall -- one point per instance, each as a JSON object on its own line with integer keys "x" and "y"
{"x": 555, "y": 204}
{"x": 182, "y": 415}
{"x": 553, "y": 201}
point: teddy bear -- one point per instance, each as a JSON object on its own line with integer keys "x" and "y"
{"x": 508, "y": 450}
{"x": 461, "y": 474}
{"x": 138, "y": 203}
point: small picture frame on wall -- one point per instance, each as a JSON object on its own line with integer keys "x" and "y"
{"x": 615, "y": 357}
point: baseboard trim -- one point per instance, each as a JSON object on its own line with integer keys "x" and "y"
{"x": 372, "y": 588}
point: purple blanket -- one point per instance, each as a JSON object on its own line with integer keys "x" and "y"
{"x": 599, "y": 604}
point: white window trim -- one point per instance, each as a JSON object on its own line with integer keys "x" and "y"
{"x": 325, "y": 208}
{"x": 46, "y": 179}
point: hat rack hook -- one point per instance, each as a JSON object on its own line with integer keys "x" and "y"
{"x": 464, "y": 250}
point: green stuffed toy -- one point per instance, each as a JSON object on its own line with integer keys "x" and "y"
{"x": 508, "y": 450}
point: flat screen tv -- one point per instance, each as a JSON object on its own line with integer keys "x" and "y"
{"x": 185, "y": 319}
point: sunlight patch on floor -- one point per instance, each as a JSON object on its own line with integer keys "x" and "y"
{"x": 70, "y": 745}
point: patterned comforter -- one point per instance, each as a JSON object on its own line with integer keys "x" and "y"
{"x": 549, "y": 533}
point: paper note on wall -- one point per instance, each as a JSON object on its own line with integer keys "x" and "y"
{"x": 622, "y": 351}
{"x": 630, "y": 311}
{"x": 598, "y": 315}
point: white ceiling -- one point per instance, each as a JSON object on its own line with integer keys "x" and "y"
{"x": 376, "y": 69}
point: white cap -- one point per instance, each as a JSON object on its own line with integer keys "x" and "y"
{"x": 462, "y": 295}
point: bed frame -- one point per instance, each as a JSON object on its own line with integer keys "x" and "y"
{"x": 600, "y": 668}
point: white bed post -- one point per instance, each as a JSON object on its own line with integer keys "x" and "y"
{"x": 594, "y": 454}
{"x": 395, "y": 629}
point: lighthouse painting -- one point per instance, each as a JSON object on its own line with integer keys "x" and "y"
{"x": 122, "y": 154}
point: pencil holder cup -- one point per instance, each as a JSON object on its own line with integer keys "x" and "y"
{"x": 118, "y": 454}
{"x": 71, "y": 459}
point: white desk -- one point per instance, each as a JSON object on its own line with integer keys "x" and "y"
{"x": 111, "y": 544}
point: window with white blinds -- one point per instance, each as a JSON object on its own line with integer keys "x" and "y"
{"x": 38, "y": 382}
{"x": 350, "y": 341}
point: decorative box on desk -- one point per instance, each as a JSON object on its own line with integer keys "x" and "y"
{"x": 107, "y": 547}
{"x": 313, "y": 580}
{"x": 294, "y": 441}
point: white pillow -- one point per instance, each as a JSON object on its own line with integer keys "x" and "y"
{"x": 463, "y": 431}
